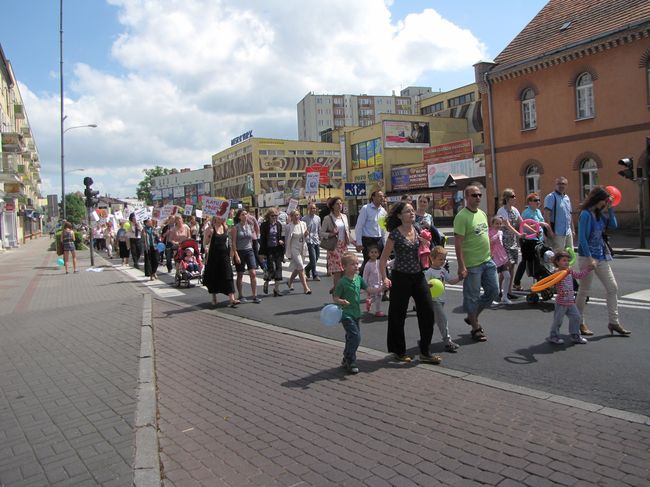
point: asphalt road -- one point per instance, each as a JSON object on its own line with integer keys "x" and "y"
{"x": 609, "y": 370}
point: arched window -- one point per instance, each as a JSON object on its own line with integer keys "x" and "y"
{"x": 528, "y": 110}
{"x": 532, "y": 179}
{"x": 588, "y": 176}
{"x": 585, "y": 96}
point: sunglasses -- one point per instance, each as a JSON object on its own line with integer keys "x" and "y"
{"x": 536, "y": 201}
{"x": 476, "y": 195}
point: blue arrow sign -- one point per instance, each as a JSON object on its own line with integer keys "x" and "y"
{"x": 355, "y": 189}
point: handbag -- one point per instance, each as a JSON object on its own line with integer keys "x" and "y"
{"x": 329, "y": 242}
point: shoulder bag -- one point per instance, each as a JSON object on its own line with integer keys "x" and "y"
{"x": 329, "y": 242}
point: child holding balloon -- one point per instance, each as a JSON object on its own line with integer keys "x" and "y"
{"x": 565, "y": 301}
{"x": 372, "y": 276}
{"x": 347, "y": 294}
{"x": 437, "y": 270}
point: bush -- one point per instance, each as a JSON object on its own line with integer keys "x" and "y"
{"x": 58, "y": 246}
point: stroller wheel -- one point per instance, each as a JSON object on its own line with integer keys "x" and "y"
{"x": 547, "y": 294}
{"x": 532, "y": 298}
{"x": 177, "y": 281}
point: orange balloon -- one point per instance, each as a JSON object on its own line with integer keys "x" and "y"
{"x": 615, "y": 193}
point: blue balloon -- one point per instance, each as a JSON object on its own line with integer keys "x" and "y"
{"x": 160, "y": 247}
{"x": 60, "y": 261}
{"x": 330, "y": 315}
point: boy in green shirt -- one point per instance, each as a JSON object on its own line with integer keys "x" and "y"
{"x": 347, "y": 294}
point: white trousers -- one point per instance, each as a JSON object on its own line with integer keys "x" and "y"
{"x": 604, "y": 273}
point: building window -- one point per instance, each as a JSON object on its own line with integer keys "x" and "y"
{"x": 588, "y": 176}
{"x": 585, "y": 96}
{"x": 532, "y": 179}
{"x": 460, "y": 100}
{"x": 647, "y": 77}
{"x": 528, "y": 110}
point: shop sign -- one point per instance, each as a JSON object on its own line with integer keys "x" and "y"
{"x": 452, "y": 151}
{"x": 409, "y": 178}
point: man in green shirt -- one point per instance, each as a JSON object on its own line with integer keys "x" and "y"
{"x": 475, "y": 263}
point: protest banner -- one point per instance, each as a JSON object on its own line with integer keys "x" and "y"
{"x": 293, "y": 204}
{"x": 311, "y": 183}
{"x": 216, "y": 207}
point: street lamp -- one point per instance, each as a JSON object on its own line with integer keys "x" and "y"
{"x": 63, "y": 171}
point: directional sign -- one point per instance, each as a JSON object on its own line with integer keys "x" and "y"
{"x": 355, "y": 189}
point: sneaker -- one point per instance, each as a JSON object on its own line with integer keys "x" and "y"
{"x": 243, "y": 300}
{"x": 257, "y": 300}
{"x": 512, "y": 296}
{"x": 576, "y": 338}
{"x": 430, "y": 359}
{"x": 353, "y": 368}
{"x": 451, "y": 346}
{"x": 380, "y": 314}
{"x": 402, "y": 358}
{"x": 505, "y": 300}
{"x": 556, "y": 340}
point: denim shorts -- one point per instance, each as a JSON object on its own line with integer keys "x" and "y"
{"x": 246, "y": 259}
{"x": 480, "y": 276}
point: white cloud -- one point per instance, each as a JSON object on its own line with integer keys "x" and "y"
{"x": 202, "y": 71}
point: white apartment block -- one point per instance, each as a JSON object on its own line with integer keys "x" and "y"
{"x": 319, "y": 113}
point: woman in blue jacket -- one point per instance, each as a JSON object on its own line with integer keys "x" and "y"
{"x": 595, "y": 218}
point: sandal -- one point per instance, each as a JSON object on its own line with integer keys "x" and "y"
{"x": 478, "y": 335}
{"x": 233, "y": 304}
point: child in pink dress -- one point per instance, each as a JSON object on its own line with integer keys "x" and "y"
{"x": 499, "y": 254}
{"x": 372, "y": 277}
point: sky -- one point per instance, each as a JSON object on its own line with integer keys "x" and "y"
{"x": 171, "y": 82}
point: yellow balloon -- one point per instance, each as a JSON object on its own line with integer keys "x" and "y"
{"x": 437, "y": 288}
{"x": 382, "y": 222}
{"x": 127, "y": 226}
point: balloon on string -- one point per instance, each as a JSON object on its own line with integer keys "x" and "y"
{"x": 60, "y": 262}
{"x": 615, "y": 193}
{"x": 160, "y": 247}
{"x": 330, "y": 315}
{"x": 437, "y": 287}
{"x": 127, "y": 226}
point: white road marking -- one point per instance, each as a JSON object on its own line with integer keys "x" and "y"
{"x": 643, "y": 295}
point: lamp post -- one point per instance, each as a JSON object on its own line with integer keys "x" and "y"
{"x": 63, "y": 171}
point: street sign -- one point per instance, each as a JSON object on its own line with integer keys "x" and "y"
{"x": 354, "y": 190}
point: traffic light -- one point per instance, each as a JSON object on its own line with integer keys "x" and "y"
{"x": 91, "y": 195}
{"x": 628, "y": 172}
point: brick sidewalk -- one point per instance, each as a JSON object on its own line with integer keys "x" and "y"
{"x": 243, "y": 405}
{"x": 68, "y": 371}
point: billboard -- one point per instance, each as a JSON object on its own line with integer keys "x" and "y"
{"x": 406, "y": 135}
{"x": 452, "y": 151}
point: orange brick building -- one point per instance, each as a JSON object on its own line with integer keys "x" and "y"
{"x": 570, "y": 96}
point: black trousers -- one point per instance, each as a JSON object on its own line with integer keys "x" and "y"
{"x": 405, "y": 286}
{"x": 136, "y": 251}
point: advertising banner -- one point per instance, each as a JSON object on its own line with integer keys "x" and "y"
{"x": 452, "y": 151}
{"x": 311, "y": 183}
{"x": 409, "y": 178}
{"x": 443, "y": 204}
{"x": 406, "y": 135}
{"x": 323, "y": 171}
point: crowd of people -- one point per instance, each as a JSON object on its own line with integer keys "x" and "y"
{"x": 403, "y": 254}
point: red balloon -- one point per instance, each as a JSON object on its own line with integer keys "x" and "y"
{"x": 615, "y": 193}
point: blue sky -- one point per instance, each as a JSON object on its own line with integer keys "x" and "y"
{"x": 169, "y": 82}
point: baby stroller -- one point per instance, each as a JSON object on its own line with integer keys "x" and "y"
{"x": 538, "y": 266}
{"x": 183, "y": 274}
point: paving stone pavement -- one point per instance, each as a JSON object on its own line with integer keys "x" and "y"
{"x": 69, "y": 349}
{"x": 243, "y": 405}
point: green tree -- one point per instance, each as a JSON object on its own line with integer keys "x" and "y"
{"x": 144, "y": 187}
{"x": 75, "y": 208}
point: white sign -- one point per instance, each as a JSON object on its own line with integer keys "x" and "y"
{"x": 311, "y": 183}
{"x": 199, "y": 213}
{"x": 118, "y": 215}
{"x": 141, "y": 214}
{"x": 167, "y": 211}
{"x": 95, "y": 216}
{"x": 188, "y": 210}
{"x": 293, "y": 204}
{"x": 216, "y": 207}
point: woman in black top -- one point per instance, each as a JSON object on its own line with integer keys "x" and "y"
{"x": 272, "y": 248}
{"x": 407, "y": 281}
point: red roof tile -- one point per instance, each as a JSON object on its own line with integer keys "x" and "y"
{"x": 588, "y": 19}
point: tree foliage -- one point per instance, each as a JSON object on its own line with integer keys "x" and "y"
{"x": 144, "y": 187}
{"x": 75, "y": 208}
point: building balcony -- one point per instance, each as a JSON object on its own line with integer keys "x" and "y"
{"x": 14, "y": 189}
{"x": 12, "y": 142}
{"x": 19, "y": 111}
{"x": 26, "y": 131}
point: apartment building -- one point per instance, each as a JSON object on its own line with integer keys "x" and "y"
{"x": 20, "y": 179}
{"x": 322, "y": 113}
{"x": 570, "y": 96}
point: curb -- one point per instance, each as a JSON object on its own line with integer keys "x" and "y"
{"x": 146, "y": 465}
